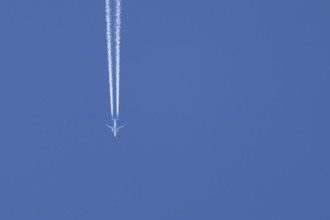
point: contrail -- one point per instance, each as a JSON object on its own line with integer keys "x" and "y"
{"x": 116, "y": 31}
{"x": 117, "y": 41}
{"x": 109, "y": 48}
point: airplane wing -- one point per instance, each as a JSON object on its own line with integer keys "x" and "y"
{"x": 109, "y": 126}
{"x": 121, "y": 127}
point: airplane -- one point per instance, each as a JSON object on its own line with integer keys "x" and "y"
{"x": 115, "y": 129}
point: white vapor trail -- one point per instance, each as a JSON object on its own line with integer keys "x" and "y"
{"x": 117, "y": 42}
{"x": 109, "y": 48}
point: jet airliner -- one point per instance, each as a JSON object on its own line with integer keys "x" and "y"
{"x": 115, "y": 129}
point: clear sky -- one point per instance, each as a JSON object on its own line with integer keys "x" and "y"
{"x": 226, "y": 106}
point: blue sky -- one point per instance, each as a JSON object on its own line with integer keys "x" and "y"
{"x": 226, "y": 106}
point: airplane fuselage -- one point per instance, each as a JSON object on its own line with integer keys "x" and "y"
{"x": 115, "y": 130}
